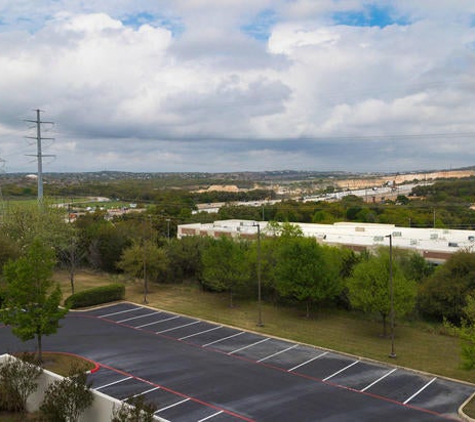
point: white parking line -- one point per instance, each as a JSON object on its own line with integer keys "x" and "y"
{"x": 144, "y": 392}
{"x": 118, "y": 313}
{"x": 158, "y": 322}
{"x": 379, "y": 379}
{"x": 341, "y": 370}
{"x": 112, "y": 383}
{"x": 201, "y": 332}
{"x": 176, "y": 328}
{"x": 420, "y": 390}
{"x": 222, "y": 339}
{"x": 249, "y": 345}
{"x": 137, "y": 317}
{"x": 308, "y": 361}
{"x": 211, "y": 416}
{"x": 278, "y": 353}
{"x": 172, "y": 405}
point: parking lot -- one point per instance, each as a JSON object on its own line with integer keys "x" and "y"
{"x": 193, "y": 370}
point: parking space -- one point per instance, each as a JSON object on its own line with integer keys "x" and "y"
{"x": 395, "y": 384}
{"x": 194, "y": 370}
{"x": 169, "y": 405}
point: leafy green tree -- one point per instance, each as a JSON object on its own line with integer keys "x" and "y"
{"x": 443, "y": 294}
{"x": 8, "y": 250}
{"x": 71, "y": 253}
{"x": 369, "y": 289}
{"x": 225, "y": 266}
{"x": 144, "y": 259}
{"x": 65, "y": 400}
{"x": 283, "y": 230}
{"x": 25, "y": 222}
{"x": 413, "y": 265}
{"x": 185, "y": 257}
{"x": 269, "y": 259}
{"x": 32, "y": 299}
{"x": 307, "y": 271}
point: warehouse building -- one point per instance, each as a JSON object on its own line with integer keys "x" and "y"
{"x": 435, "y": 245}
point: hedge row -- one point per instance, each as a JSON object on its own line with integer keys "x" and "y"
{"x": 96, "y": 296}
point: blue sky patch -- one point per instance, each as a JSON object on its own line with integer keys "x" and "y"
{"x": 371, "y": 16}
{"x": 174, "y": 25}
{"x": 260, "y": 27}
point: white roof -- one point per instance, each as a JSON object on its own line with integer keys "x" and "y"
{"x": 362, "y": 234}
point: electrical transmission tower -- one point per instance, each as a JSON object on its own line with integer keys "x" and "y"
{"x": 39, "y": 154}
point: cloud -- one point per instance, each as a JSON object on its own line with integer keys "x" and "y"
{"x": 189, "y": 85}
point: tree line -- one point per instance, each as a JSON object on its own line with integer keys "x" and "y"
{"x": 294, "y": 269}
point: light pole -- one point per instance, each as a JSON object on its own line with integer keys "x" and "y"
{"x": 391, "y": 295}
{"x": 144, "y": 251}
{"x": 168, "y": 229}
{"x": 145, "y": 283}
{"x": 259, "y": 298}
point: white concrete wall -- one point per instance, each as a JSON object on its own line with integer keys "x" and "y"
{"x": 100, "y": 411}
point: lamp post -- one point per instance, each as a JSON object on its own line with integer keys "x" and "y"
{"x": 168, "y": 229}
{"x": 145, "y": 281}
{"x": 259, "y": 298}
{"x": 391, "y": 295}
{"x": 144, "y": 251}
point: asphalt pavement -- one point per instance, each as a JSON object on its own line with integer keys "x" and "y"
{"x": 194, "y": 370}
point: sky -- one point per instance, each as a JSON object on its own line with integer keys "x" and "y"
{"x": 237, "y": 85}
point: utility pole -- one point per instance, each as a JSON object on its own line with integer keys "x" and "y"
{"x": 39, "y": 155}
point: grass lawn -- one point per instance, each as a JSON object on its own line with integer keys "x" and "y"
{"x": 418, "y": 348}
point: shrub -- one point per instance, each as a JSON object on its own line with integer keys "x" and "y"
{"x": 95, "y": 296}
{"x": 17, "y": 381}
{"x": 134, "y": 410}
{"x": 66, "y": 399}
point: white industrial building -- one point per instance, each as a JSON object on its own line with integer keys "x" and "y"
{"x": 433, "y": 244}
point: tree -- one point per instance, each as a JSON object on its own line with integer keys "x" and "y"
{"x": 32, "y": 299}
{"x": 71, "y": 252}
{"x": 23, "y": 223}
{"x": 66, "y": 399}
{"x": 466, "y": 332}
{"x": 368, "y": 287}
{"x": 8, "y": 250}
{"x": 144, "y": 259}
{"x": 307, "y": 271}
{"x": 225, "y": 266}
{"x": 284, "y": 230}
{"x": 185, "y": 257}
{"x": 443, "y": 294}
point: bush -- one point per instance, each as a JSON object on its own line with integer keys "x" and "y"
{"x": 96, "y": 296}
{"x": 17, "y": 381}
{"x": 134, "y": 410}
{"x": 66, "y": 399}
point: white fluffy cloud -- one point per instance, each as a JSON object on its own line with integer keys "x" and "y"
{"x": 189, "y": 85}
